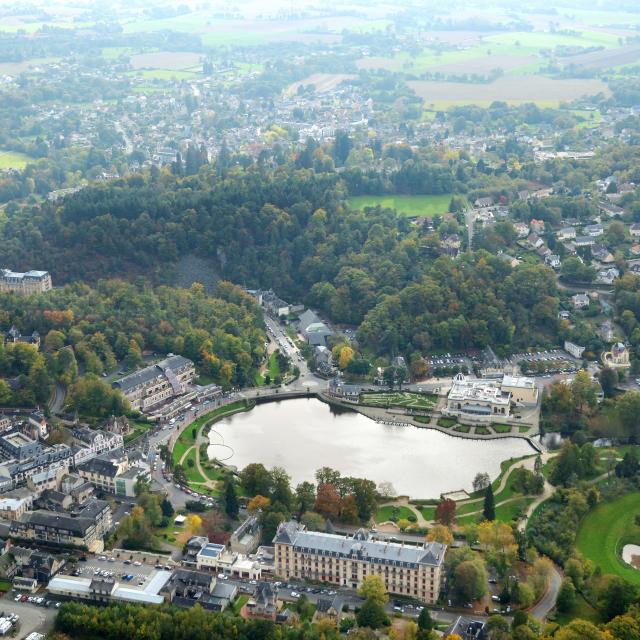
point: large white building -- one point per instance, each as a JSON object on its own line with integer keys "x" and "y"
{"x": 408, "y": 570}
{"x": 26, "y": 283}
{"x": 157, "y": 383}
{"x": 477, "y": 399}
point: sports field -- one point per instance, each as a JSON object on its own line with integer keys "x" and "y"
{"x": 421, "y": 206}
{"x": 606, "y": 530}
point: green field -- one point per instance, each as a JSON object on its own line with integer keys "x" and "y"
{"x": 398, "y": 399}
{"x": 606, "y": 530}
{"x": 423, "y": 206}
{"x": 163, "y": 74}
{"x": 14, "y": 160}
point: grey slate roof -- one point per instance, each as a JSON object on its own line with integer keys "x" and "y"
{"x": 360, "y": 546}
{"x": 172, "y": 363}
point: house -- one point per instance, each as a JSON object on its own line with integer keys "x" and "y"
{"x": 157, "y": 383}
{"x": 601, "y": 253}
{"x": 563, "y": 314}
{"x": 187, "y": 588}
{"x": 617, "y": 358}
{"x": 330, "y": 608}
{"x": 345, "y": 561}
{"x": 553, "y": 260}
{"x": 634, "y": 230}
{"x": 593, "y": 230}
{"x": 609, "y": 209}
{"x": 13, "y": 336}
{"x": 534, "y": 241}
{"x": 573, "y": 349}
{"x": 348, "y": 392}
{"x": 324, "y": 359}
{"x": 567, "y": 233}
{"x": 583, "y": 241}
{"x": 481, "y": 203}
{"x": 466, "y": 629}
{"x": 580, "y": 301}
{"x": 607, "y": 276}
{"x": 263, "y": 604}
{"x": 452, "y": 241}
{"x": 313, "y": 329}
{"x": 537, "y": 226}
{"x": 521, "y": 229}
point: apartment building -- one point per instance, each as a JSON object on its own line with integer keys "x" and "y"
{"x": 408, "y": 570}
{"x": 24, "y": 284}
{"x": 157, "y": 383}
{"x": 84, "y": 528}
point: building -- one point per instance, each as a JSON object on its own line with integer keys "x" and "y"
{"x": 13, "y": 508}
{"x": 330, "y": 608}
{"x": 157, "y": 383}
{"x": 113, "y": 473}
{"x": 13, "y": 336}
{"x": 246, "y": 538}
{"x": 617, "y": 358}
{"x": 264, "y": 604}
{"x": 187, "y": 588}
{"x": 24, "y": 284}
{"x": 412, "y": 571}
{"x": 342, "y": 391}
{"x": 84, "y": 528}
{"x": 467, "y": 629}
{"x": 573, "y": 349}
{"x": 523, "y": 390}
{"x": 93, "y": 442}
{"x": 105, "y": 590}
{"x": 580, "y": 301}
{"x": 324, "y": 360}
{"x": 477, "y": 399}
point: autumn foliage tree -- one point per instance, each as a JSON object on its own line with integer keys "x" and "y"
{"x": 446, "y": 512}
{"x": 328, "y": 502}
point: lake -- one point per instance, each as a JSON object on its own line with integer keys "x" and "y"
{"x": 305, "y": 434}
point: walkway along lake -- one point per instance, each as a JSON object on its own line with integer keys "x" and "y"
{"x": 306, "y": 434}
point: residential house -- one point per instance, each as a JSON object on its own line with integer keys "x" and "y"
{"x": 324, "y": 360}
{"x": 187, "y": 588}
{"x": 580, "y": 301}
{"x": 14, "y": 336}
{"x": 480, "y": 203}
{"x": 607, "y": 276}
{"x": 535, "y": 241}
{"x": 263, "y": 604}
{"x": 634, "y": 230}
{"x": 348, "y": 392}
{"x": 601, "y": 253}
{"x": 537, "y": 226}
{"x": 330, "y": 608}
{"x": 617, "y": 358}
{"x": 593, "y": 230}
{"x": 567, "y": 233}
{"x": 553, "y": 260}
{"x": 246, "y": 538}
{"x": 521, "y": 229}
{"x": 584, "y": 241}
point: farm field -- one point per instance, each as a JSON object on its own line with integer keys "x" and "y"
{"x": 14, "y": 160}
{"x": 164, "y": 74}
{"x": 421, "y": 206}
{"x": 511, "y": 89}
{"x": 605, "y": 530}
{"x": 15, "y": 68}
{"x": 409, "y": 400}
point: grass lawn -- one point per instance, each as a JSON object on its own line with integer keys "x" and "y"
{"x": 462, "y": 428}
{"x": 507, "y": 512}
{"x": 523, "y": 428}
{"x": 501, "y": 428}
{"x": 606, "y": 530}
{"x": 483, "y": 431}
{"x": 425, "y": 206}
{"x": 239, "y": 603}
{"x": 447, "y": 423}
{"x": 582, "y": 609}
{"x": 14, "y": 160}
{"x": 386, "y": 513}
{"x": 428, "y": 513}
{"x": 399, "y": 399}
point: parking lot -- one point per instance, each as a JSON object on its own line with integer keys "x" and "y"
{"x": 31, "y": 616}
{"x": 123, "y": 569}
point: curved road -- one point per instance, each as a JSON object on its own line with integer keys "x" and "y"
{"x": 541, "y": 610}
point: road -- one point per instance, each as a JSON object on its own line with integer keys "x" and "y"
{"x": 56, "y": 401}
{"x": 542, "y": 609}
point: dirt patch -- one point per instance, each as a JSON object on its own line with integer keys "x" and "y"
{"x": 605, "y": 58}
{"x": 165, "y": 60}
{"x": 512, "y": 89}
{"x": 322, "y": 81}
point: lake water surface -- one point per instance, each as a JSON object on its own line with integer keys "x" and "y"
{"x": 303, "y": 435}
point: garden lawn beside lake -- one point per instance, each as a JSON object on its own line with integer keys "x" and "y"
{"x": 604, "y": 532}
{"x": 421, "y": 206}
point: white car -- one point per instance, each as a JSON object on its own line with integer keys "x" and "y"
{"x": 295, "y": 594}
{"x": 137, "y": 563}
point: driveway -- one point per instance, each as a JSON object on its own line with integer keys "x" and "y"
{"x": 541, "y": 610}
